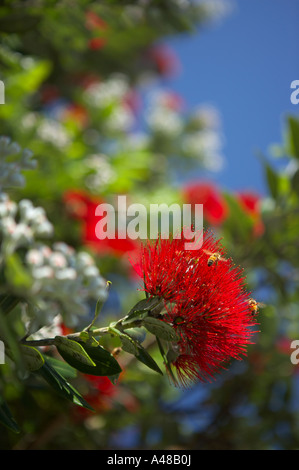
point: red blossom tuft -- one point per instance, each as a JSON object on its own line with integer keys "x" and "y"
{"x": 164, "y": 60}
{"x": 95, "y": 44}
{"x": 94, "y": 21}
{"x": 82, "y": 206}
{"x": 215, "y": 209}
{"x": 207, "y": 305}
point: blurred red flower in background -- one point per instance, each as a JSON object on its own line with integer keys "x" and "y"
{"x": 94, "y": 22}
{"x": 250, "y": 202}
{"x": 95, "y": 44}
{"x": 103, "y": 395}
{"x": 215, "y": 209}
{"x": 77, "y": 114}
{"x": 82, "y": 206}
{"x": 172, "y": 101}
{"x": 164, "y": 60}
{"x": 206, "y": 304}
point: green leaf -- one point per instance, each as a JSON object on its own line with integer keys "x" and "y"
{"x": 61, "y": 386}
{"x": 113, "y": 378}
{"x": 138, "y": 333}
{"x": 32, "y": 357}
{"x": 105, "y": 363}
{"x": 12, "y": 347}
{"x": 140, "y": 310}
{"x": 161, "y": 329}
{"x": 144, "y": 357}
{"x": 62, "y": 367}
{"x": 6, "y": 417}
{"x": 72, "y": 352}
{"x": 8, "y": 303}
{"x": 133, "y": 346}
{"x": 293, "y": 144}
{"x": 272, "y": 179}
{"x": 128, "y": 344}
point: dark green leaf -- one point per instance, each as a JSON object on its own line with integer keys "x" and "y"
{"x": 72, "y": 352}
{"x": 62, "y": 367}
{"x": 272, "y": 180}
{"x": 11, "y": 344}
{"x": 144, "y": 357}
{"x": 161, "y": 329}
{"x": 140, "y": 310}
{"x": 138, "y": 333}
{"x": 105, "y": 363}
{"x": 8, "y": 303}
{"x": 6, "y": 417}
{"x": 62, "y": 387}
{"x": 32, "y": 357}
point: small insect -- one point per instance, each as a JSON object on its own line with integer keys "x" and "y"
{"x": 214, "y": 258}
{"x": 254, "y": 305}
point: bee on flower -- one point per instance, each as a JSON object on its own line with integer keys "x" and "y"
{"x": 208, "y": 308}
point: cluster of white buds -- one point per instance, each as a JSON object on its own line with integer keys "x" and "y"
{"x": 163, "y": 116}
{"x": 21, "y": 223}
{"x": 64, "y": 282}
{"x": 47, "y": 129}
{"x": 216, "y": 9}
{"x": 13, "y": 161}
{"x": 108, "y": 92}
{"x": 204, "y": 145}
{"x": 102, "y": 172}
{"x": 111, "y": 94}
{"x": 202, "y": 138}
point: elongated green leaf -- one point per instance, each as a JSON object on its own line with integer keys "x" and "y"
{"x": 8, "y": 303}
{"x": 161, "y": 329}
{"x": 61, "y": 386}
{"x": 133, "y": 346}
{"x": 72, "y": 352}
{"x": 65, "y": 369}
{"x": 6, "y": 417}
{"x": 11, "y": 344}
{"x": 32, "y": 357}
{"x": 144, "y": 357}
{"x": 128, "y": 344}
{"x": 105, "y": 363}
{"x": 140, "y": 310}
{"x": 137, "y": 334}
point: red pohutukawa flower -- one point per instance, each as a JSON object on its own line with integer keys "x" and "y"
{"x": 82, "y": 206}
{"x": 205, "y": 301}
{"x": 214, "y": 205}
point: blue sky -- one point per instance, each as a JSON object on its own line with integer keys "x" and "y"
{"x": 243, "y": 65}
